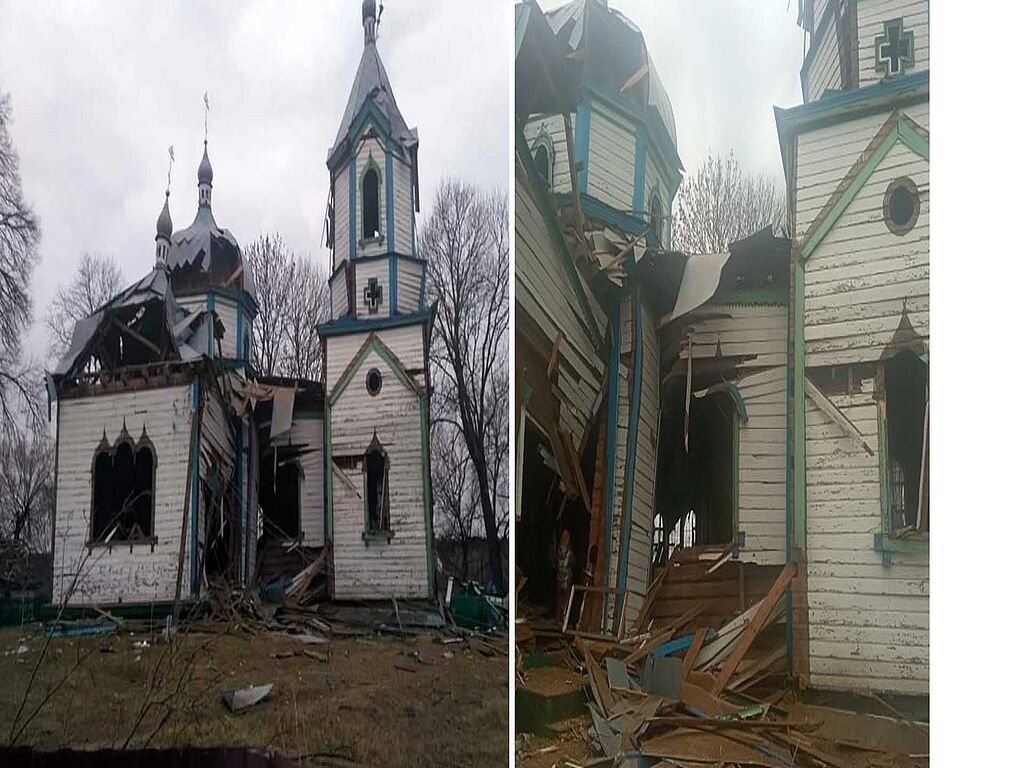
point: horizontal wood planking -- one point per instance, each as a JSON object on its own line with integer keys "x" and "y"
{"x": 871, "y": 16}
{"x": 404, "y": 223}
{"x": 861, "y": 614}
{"x": 379, "y": 570}
{"x": 823, "y": 72}
{"x": 307, "y": 434}
{"x": 610, "y": 166}
{"x": 405, "y": 342}
{"x": 554, "y": 127}
{"x": 122, "y": 575}
{"x": 341, "y": 240}
{"x": 370, "y": 147}
{"x": 381, "y": 270}
{"x": 410, "y": 280}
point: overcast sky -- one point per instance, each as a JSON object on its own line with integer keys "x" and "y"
{"x": 100, "y": 89}
{"x": 725, "y": 65}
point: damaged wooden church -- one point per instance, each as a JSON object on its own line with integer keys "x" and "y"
{"x": 715, "y": 423}
{"x": 180, "y": 465}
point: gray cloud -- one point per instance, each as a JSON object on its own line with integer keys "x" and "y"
{"x": 100, "y": 89}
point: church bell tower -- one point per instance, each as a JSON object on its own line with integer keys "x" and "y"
{"x": 377, "y": 478}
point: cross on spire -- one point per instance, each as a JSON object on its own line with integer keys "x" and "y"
{"x": 373, "y": 295}
{"x": 206, "y": 117}
{"x": 894, "y": 49}
{"x": 170, "y": 165}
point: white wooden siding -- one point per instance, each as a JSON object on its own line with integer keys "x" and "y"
{"x": 824, "y": 72}
{"x": 341, "y": 228}
{"x": 339, "y": 294}
{"x": 369, "y": 148}
{"x": 405, "y": 342}
{"x": 612, "y": 156}
{"x": 410, "y": 279}
{"x": 307, "y": 433}
{"x": 120, "y": 575}
{"x": 544, "y": 292}
{"x": 867, "y": 623}
{"x": 742, "y": 330}
{"x": 859, "y": 276}
{"x": 379, "y": 570}
{"x": 872, "y": 14}
{"x": 762, "y": 467}
{"x": 403, "y": 207}
{"x": 554, "y": 126}
{"x": 380, "y": 269}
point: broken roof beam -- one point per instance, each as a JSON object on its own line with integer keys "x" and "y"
{"x": 832, "y": 411}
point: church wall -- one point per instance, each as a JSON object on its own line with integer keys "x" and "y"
{"x": 554, "y": 127}
{"x": 375, "y": 570}
{"x": 871, "y": 14}
{"x": 762, "y": 466}
{"x": 339, "y": 294}
{"x": 121, "y": 573}
{"x": 380, "y": 269}
{"x": 612, "y": 154}
{"x": 341, "y": 219}
{"x": 410, "y": 283}
{"x": 858, "y": 278}
{"x": 543, "y": 292}
{"x": 370, "y": 148}
{"x": 823, "y": 71}
{"x": 867, "y": 622}
{"x": 749, "y": 330}
{"x": 403, "y": 206}
{"x": 405, "y": 342}
{"x": 308, "y": 432}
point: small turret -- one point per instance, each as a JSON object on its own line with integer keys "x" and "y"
{"x": 205, "y": 179}
{"x": 164, "y": 227}
{"x": 369, "y": 21}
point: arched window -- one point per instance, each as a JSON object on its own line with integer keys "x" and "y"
{"x": 654, "y": 233}
{"x": 122, "y": 490}
{"x": 378, "y": 508}
{"x": 541, "y": 160}
{"x": 371, "y": 203}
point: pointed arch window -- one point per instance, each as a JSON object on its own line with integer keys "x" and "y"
{"x": 657, "y": 222}
{"x": 370, "y": 191}
{"x": 377, "y": 490}
{"x": 123, "y": 480}
{"x": 544, "y": 157}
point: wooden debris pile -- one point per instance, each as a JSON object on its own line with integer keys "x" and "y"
{"x": 682, "y": 694}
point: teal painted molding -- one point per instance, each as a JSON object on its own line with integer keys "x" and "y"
{"x": 412, "y": 214}
{"x": 634, "y": 425}
{"x": 581, "y": 143}
{"x": 887, "y": 544}
{"x": 600, "y": 210}
{"x": 373, "y": 343}
{"x": 328, "y": 482}
{"x": 614, "y": 331}
{"x": 393, "y": 284}
{"x": 368, "y": 115}
{"x": 349, "y": 324}
{"x": 904, "y": 132}
{"x": 389, "y": 172}
{"x": 639, "y": 170}
{"x": 352, "y": 209}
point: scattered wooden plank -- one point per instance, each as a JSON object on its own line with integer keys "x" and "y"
{"x": 703, "y": 702}
{"x": 764, "y": 611}
{"x": 692, "y": 651}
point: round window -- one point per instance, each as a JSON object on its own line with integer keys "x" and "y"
{"x": 373, "y": 382}
{"x": 901, "y": 206}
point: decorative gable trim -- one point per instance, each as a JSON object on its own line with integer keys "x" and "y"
{"x": 373, "y": 343}
{"x": 897, "y": 128}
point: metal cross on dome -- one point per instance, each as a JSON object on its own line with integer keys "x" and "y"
{"x": 894, "y": 49}
{"x": 373, "y": 295}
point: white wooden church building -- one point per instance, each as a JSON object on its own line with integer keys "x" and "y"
{"x": 178, "y": 464}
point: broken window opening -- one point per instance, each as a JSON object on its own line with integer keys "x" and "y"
{"x": 906, "y": 393}
{"x": 543, "y": 163}
{"x": 122, "y": 490}
{"x": 378, "y": 512}
{"x": 219, "y": 529}
{"x": 280, "y": 486}
{"x": 371, "y": 203}
{"x": 654, "y": 233}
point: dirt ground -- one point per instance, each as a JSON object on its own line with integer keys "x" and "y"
{"x": 372, "y": 700}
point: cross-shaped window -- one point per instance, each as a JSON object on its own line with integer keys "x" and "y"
{"x": 373, "y": 295}
{"x": 894, "y": 49}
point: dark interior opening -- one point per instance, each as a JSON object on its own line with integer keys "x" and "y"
{"x": 371, "y": 204}
{"x": 906, "y": 392}
{"x": 279, "y": 486}
{"x": 122, "y": 493}
{"x": 543, "y": 163}
{"x": 699, "y": 480}
{"x": 377, "y": 491}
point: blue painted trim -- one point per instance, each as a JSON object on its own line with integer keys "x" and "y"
{"x": 211, "y": 306}
{"x": 368, "y": 113}
{"x": 389, "y": 175}
{"x": 346, "y": 325}
{"x": 639, "y": 170}
{"x": 423, "y": 284}
{"x": 194, "y": 560}
{"x": 895, "y": 87}
{"x": 600, "y": 210}
{"x": 393, "y": 285}
{"x": 609, "y": 443}
{"x": 412, "y": 214}
{"x": 387, "y": 255}
{"x": 634, "y": 424}
{"x": 240, "y": 500}
{"x": 680, "y": 644}
{"x": 352, "y": 209}
{"x": 581, "y": 142}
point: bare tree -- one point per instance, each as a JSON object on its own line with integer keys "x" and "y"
{"x": 19, "y": 251}
{"x": 467, "y": 245}
{"x": 292, "y": 295}
{"x": 456, "y": 495}
{"x": 26, "y": 486}
{"x": 96, "y": 280}
{"x": 720, "y": 204}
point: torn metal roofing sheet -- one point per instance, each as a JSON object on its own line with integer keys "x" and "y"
{"x": 699, "y": 283}
{"x": 190, "y": 333}
{"x": 372, "y": 84}
{"x": 195, "y": 244}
